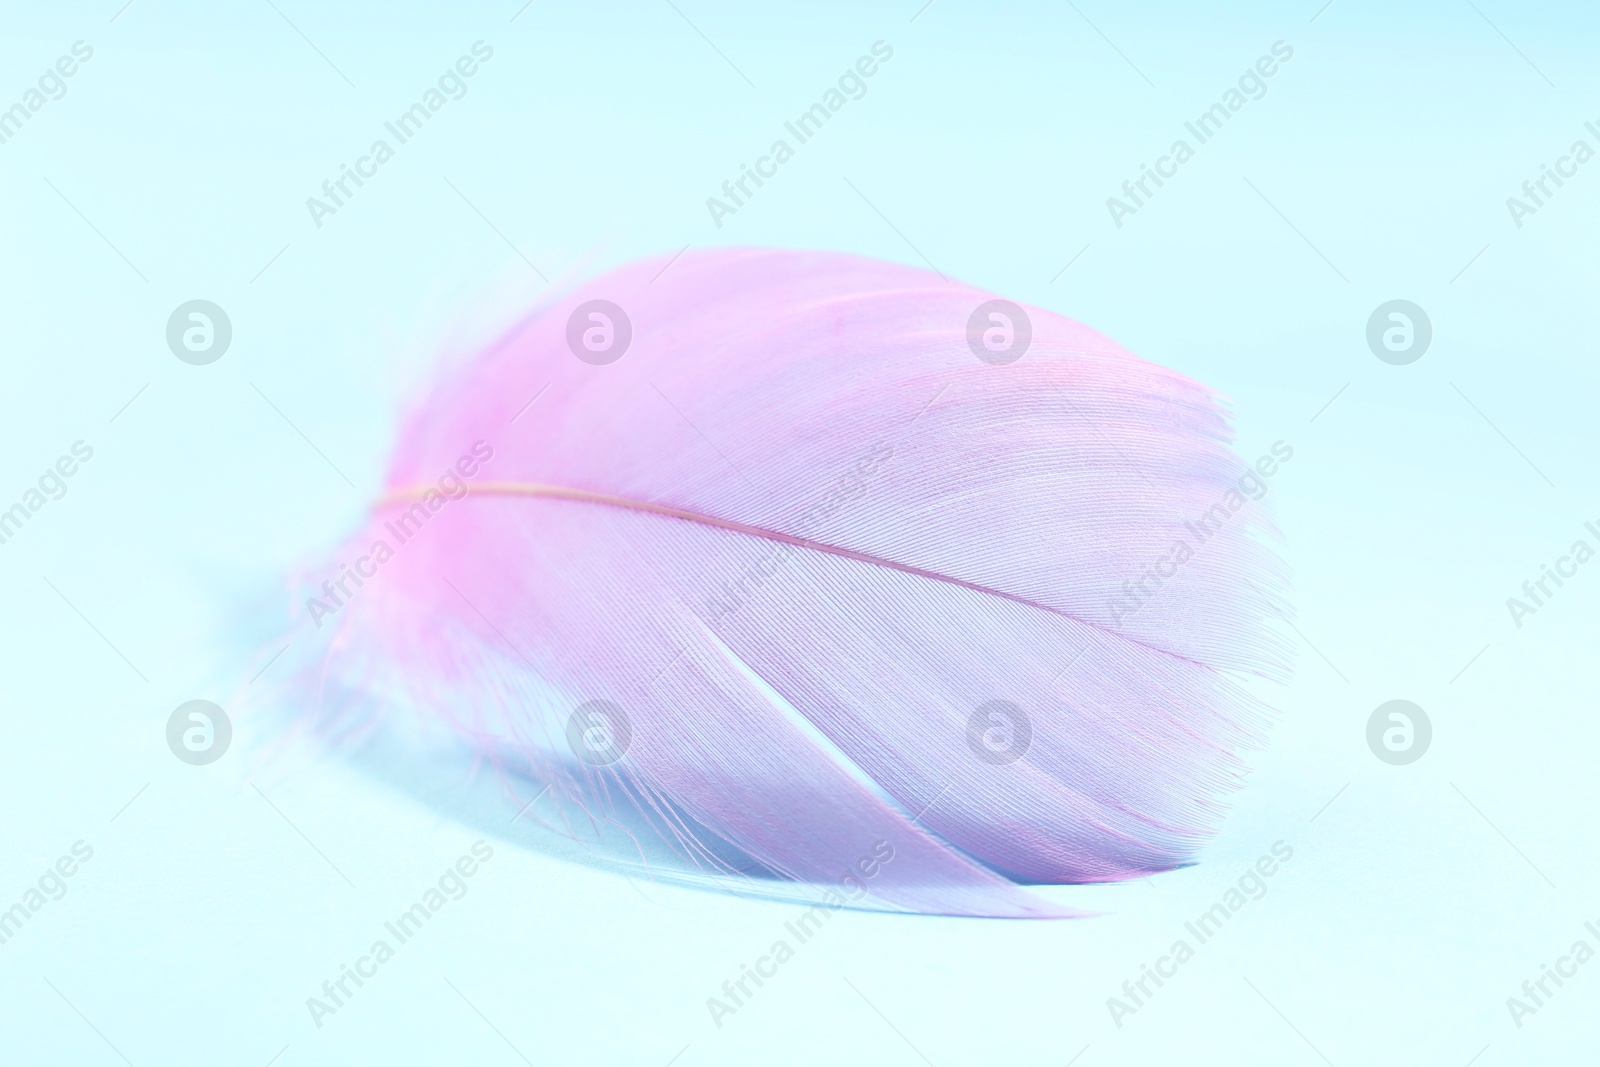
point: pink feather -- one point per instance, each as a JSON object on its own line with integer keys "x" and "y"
{"x": 798, "y": 540}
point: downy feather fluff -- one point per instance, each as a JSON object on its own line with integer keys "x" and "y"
{"x": 829, "y": 585}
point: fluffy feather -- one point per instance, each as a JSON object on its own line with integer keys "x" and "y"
{"x": 800, "y": 535}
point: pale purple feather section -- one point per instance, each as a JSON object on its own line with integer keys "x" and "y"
{"x": 802, "y": 703}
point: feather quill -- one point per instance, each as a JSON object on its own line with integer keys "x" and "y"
{"x": 799, "y": 581}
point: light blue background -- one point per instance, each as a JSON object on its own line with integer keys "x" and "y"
{"x": 990, "y": 142}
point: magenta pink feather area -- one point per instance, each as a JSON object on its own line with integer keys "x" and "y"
{"x": 801, "y": 578}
